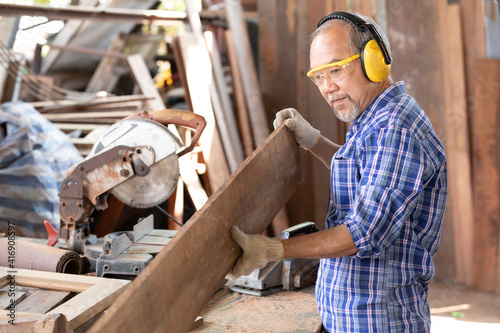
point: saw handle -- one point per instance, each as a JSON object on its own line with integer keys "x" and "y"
{"x": 182, "y": 118}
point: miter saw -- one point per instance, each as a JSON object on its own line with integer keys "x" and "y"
{"x": 136, "y": 160}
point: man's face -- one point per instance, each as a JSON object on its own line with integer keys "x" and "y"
{"x": 348, "y": 97}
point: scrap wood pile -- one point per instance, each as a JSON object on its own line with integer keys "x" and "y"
{"x": 209, "y": 70}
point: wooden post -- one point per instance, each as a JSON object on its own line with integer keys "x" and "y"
{"x": 486, "y": 175}
{"x": 456, "y": 139}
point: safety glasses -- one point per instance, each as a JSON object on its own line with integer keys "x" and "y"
{"x": 332, "y": 72}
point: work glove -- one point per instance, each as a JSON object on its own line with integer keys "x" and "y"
{"x": 305, "y": 135}
{"x": 257, "y": 251}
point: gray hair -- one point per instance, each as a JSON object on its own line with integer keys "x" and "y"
{"x": 356, "y": 38}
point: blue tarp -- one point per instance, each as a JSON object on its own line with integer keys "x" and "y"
{"x": 34, "y": 154}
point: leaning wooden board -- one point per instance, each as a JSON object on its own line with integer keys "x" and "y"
{"x": 173, "y": 289}
{"x": 486, "y": 175}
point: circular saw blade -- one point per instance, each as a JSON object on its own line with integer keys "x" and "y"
{"x": 153, "y": 189}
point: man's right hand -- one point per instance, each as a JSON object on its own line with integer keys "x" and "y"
{"x": 306, "y": 135}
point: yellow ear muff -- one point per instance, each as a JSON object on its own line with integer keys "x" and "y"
{"x": 372, "y": 59}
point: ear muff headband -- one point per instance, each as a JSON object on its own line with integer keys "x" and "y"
{"x": 376, "y": 61}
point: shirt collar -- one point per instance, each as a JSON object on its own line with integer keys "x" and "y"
{"x": 381, "y": 101}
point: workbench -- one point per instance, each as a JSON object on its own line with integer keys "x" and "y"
{"x": 286, "y": 311}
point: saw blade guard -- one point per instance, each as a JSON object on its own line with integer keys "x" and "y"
{"x": 177, "y": 117}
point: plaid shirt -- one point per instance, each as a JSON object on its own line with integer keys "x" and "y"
{"x": 388, "y": 186}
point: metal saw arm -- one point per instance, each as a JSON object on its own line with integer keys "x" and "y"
{"x": 177, "y": 117}
{"x": 125, "y": 154}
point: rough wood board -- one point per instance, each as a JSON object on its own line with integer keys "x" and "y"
{"x": 104, "y": 77}
{"x": 224, "y": 114}
{"x": 486, "y": 175}
{"x": 42, "y": 301}
{"x": 5, "y": 299}
{"x": 53, "y": 323}
{"x": 197, "y": 71}
{"x": 456, "y": 139}
{"x": 251, "y": 88}
{"x": 239, "y": 97}
{"x": 144, "y": 81}
{"x": 184, "y": 275}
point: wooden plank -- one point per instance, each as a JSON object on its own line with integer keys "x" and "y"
{"x": 95, "y": 294}
{"x": 6, "y": 299}
{"x": 226, "y": 121}
{"x": 197, "y": 72}
{"x": 4, "y": 315}
{"x": 42, "y": 301}
{"x": 181, "y": 68}
{"x": 144, "y": 81}
{"x": 104, "y": 77}
{"x": 239, "y": 97}
{"x": 473, "y": 29}
{"x": 198, "y": 258}
{"x": 113, "y": 15}
{"x": 253, "y": 94}
{"x": 456, "y": 139}
{"x": 91, "y": 302}
{"x": 53, "y": 323}
{"x": 88, "y": 116}
{"x": 192, "y": 181}
{"x": 226, "y": 128}
{"x": 486, "y": 175}
{"x": 89, "y": 102}
{"x": 123, "y": 106}
{"x": 85, "y": 128}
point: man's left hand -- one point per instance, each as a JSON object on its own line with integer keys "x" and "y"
{"x": 257, "y": 251}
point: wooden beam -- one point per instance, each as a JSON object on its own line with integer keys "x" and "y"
{"x": 105, "y": 77}
{"x": 144, "y": 81}
{"x": 246, "y": 63}
{"x": 197, "y": 71}
{"x": 239, "y": 97}
{"x": 224, "y": 114}
{"x": 486, "y": 175}
{"x": 89, "y": 101}
{"x": 456, "y": 139}
{"x": 173, "y": 289}
{"x": 42, "y": 301}
{"x": 95, "y": 14}
{"x": 53, "y": 323}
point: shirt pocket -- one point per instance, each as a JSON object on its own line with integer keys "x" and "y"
{"x": 345, "y": 178}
